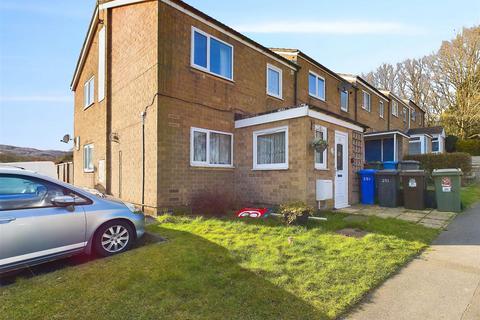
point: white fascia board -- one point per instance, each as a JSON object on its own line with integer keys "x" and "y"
{"x": 292, "y": 114}
{"x": 376, "y": 134}
{"x": 220, "y": 29}
{"x": 83, "y": 52}
{"x": 273, "y": 117}
{"x": 118, "y": 3}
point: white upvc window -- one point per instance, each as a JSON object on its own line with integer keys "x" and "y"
{"x": 395, "y": 108}
{"x": 211, "y": 54}
{"x": 321, "y": 157}
{"x": 414, "y": 115}
{"x": 270, "y": 149}
{"x": 316, "y": 86}
{"x": 344, "y": 100}
{"x": 435, "y": 145}
{"x": 274, "y": 81}
{"x": 88, "y": 158}
{"x": 209, "y": 148}
{"x": 381, "y": 109}
{"x": 405, "y": 114}
{"x": 89, "y": 92}
{"x": 367, "y": 101}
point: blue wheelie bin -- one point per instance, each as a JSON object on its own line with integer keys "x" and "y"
{"x": 390, "y": 165}
{"x": 367, "y": 186}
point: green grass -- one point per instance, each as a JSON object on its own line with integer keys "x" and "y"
{"x": 225, "y": 269}
{"x": 470, "y": 195}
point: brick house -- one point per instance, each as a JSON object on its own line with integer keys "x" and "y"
{"x": 170, "y": 102}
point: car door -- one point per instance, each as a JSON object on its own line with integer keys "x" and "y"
{"x": 32, "y": 226}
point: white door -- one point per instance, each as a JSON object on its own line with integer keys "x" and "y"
{"x": 341, "y": 169}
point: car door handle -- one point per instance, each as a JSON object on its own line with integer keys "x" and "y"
{"x": 7, "y": 220}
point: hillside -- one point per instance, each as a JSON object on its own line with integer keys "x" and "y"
{"x": 16, "y": 154}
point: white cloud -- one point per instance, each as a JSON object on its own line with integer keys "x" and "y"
{"x": 333, "y": 27}
{"x": 62, "y": 99}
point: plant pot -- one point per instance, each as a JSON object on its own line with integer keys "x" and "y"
{"x": 320, "y": 149}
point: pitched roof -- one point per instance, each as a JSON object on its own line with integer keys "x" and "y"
{"x": 353, "y": 78}
{"x": 427, "y": 130}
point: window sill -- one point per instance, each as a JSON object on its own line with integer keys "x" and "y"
{"x": 316, "y": 97}
{"x": 88, "y": 170}
{"x": 86, "y": 107}
{"x": 269, "y": 168}
{"x": 274, "y": 96}
{"x": 321, "y": 168}
{"x": 209, "y": 166}
{"x": 220, "y": 77}
{"x": 343, "y": 110}
{"x": 366, "y": 109}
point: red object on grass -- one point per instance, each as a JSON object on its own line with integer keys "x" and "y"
{"x": 252, "y": 212}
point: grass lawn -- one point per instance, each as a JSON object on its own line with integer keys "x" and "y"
{"x": 225, "y": 269}
{"x": 470, "y": 195}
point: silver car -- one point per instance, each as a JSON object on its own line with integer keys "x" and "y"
{"x": 43, "y": 219}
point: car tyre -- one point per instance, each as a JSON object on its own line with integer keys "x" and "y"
{"x": 112, "y": 238}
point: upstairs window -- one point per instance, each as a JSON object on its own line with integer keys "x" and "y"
{"x": 344, "y": 100}
{"x": 405, "y": 114}
{"x": 316, "y": 86}
{"x": 381, "y": 109}
{"x": 367, "y": 100}
{"x": 274, "y": 81}
{"x": 210, "y": 148}
{"x": 395, "y": 108}
{"x": 211, "y": 54}
{"x": 88, "y": 158}
{"x": 414, "y": 115}
{"x": 89, "y": 92}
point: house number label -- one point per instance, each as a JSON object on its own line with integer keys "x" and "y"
{"x": 412, "y": 183}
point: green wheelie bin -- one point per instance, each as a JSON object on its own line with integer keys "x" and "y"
{"x": 447, "y": 189}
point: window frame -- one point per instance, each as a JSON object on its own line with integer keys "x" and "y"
{"x": 88, "y": 146}
{"x": 413, "y": 115}
{"x": 207, "y": 68}
{"x": 316, "y": 96}
{"x": 369, "y": 109}
{"x": 270, "y": 166}
{"x": 280, "y": 81}
{"x": 382, "y": 109}
{"x": 324, "y": 165}
{"x": 395, "y": 110}
{"x": 207, "y": 163}
{"x": 437, "y": 140}
{"x": 348, "y": 100}
{"x": 405, "y": 114}
{"x": 91, "y": 95}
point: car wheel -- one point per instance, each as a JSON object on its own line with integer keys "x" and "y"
{"x": 112, "y": 238}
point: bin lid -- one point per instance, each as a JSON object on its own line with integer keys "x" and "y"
{"x": 410, "y": 161}
{"x": 391, "y": 162}
{"x": 367, "y": 171}
{"x": 387, "y": 172}
{"x": 412, "y": 173}
{"x": 447, "y": 172}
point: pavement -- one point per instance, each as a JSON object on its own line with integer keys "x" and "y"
{"x": 443, "y": 283}
{"x": 430, "y": 218}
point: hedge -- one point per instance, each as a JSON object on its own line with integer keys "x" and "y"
{"x": 470, "y": 146}
{"x": 432, "y": 161}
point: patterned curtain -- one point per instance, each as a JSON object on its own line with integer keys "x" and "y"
{"x": 220, "y": 148}
{"x": 199, "y": 146}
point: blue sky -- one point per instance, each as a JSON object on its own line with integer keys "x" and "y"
{"x": 40, "y": 41}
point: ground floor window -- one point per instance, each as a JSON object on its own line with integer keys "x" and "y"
{"x": 415, "y": 146}
{"x": 211, "y": 148}
{"x": 270, "y": 149}
{"x": 435, "y": 145}
{"x": 321, "y": 157}
{"x": 88, "y": 158}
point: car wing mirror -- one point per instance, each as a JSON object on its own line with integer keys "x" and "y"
{"x": 63, "y": 201}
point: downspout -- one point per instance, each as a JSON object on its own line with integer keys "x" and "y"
{"x": 356, "y": 102}
{"x": 295, "y": 87}
{"x": 389, "y": 115}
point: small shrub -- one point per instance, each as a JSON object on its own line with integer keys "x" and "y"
{"x": 432, "y": 161}
{"x": 450, "y": 142}
{"x": 295, "y": 212}
{"x": 471, "y": 146}
{"x": 215, "y": 204}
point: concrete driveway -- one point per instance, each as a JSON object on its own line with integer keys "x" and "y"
{"x": 443, "y": 283}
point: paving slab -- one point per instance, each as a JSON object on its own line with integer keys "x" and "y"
{"x": 441, "y": 215}
{"x": 433, "y": 223}
{"x": 443, "y": 283}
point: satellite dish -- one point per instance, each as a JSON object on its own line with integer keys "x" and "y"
{"x": 66, "y": 138}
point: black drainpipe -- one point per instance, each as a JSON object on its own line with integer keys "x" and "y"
{"x": 356, "y": 101}
{"x": 295, "y": 87}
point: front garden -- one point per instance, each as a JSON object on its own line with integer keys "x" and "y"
{"x": 226, "y": 268}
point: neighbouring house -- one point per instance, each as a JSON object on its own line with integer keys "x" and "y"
{"x": 427, "y": 140}
{"x": 170, "y": 102}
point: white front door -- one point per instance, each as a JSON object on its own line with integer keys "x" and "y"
{"x": 341, "y": 169}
